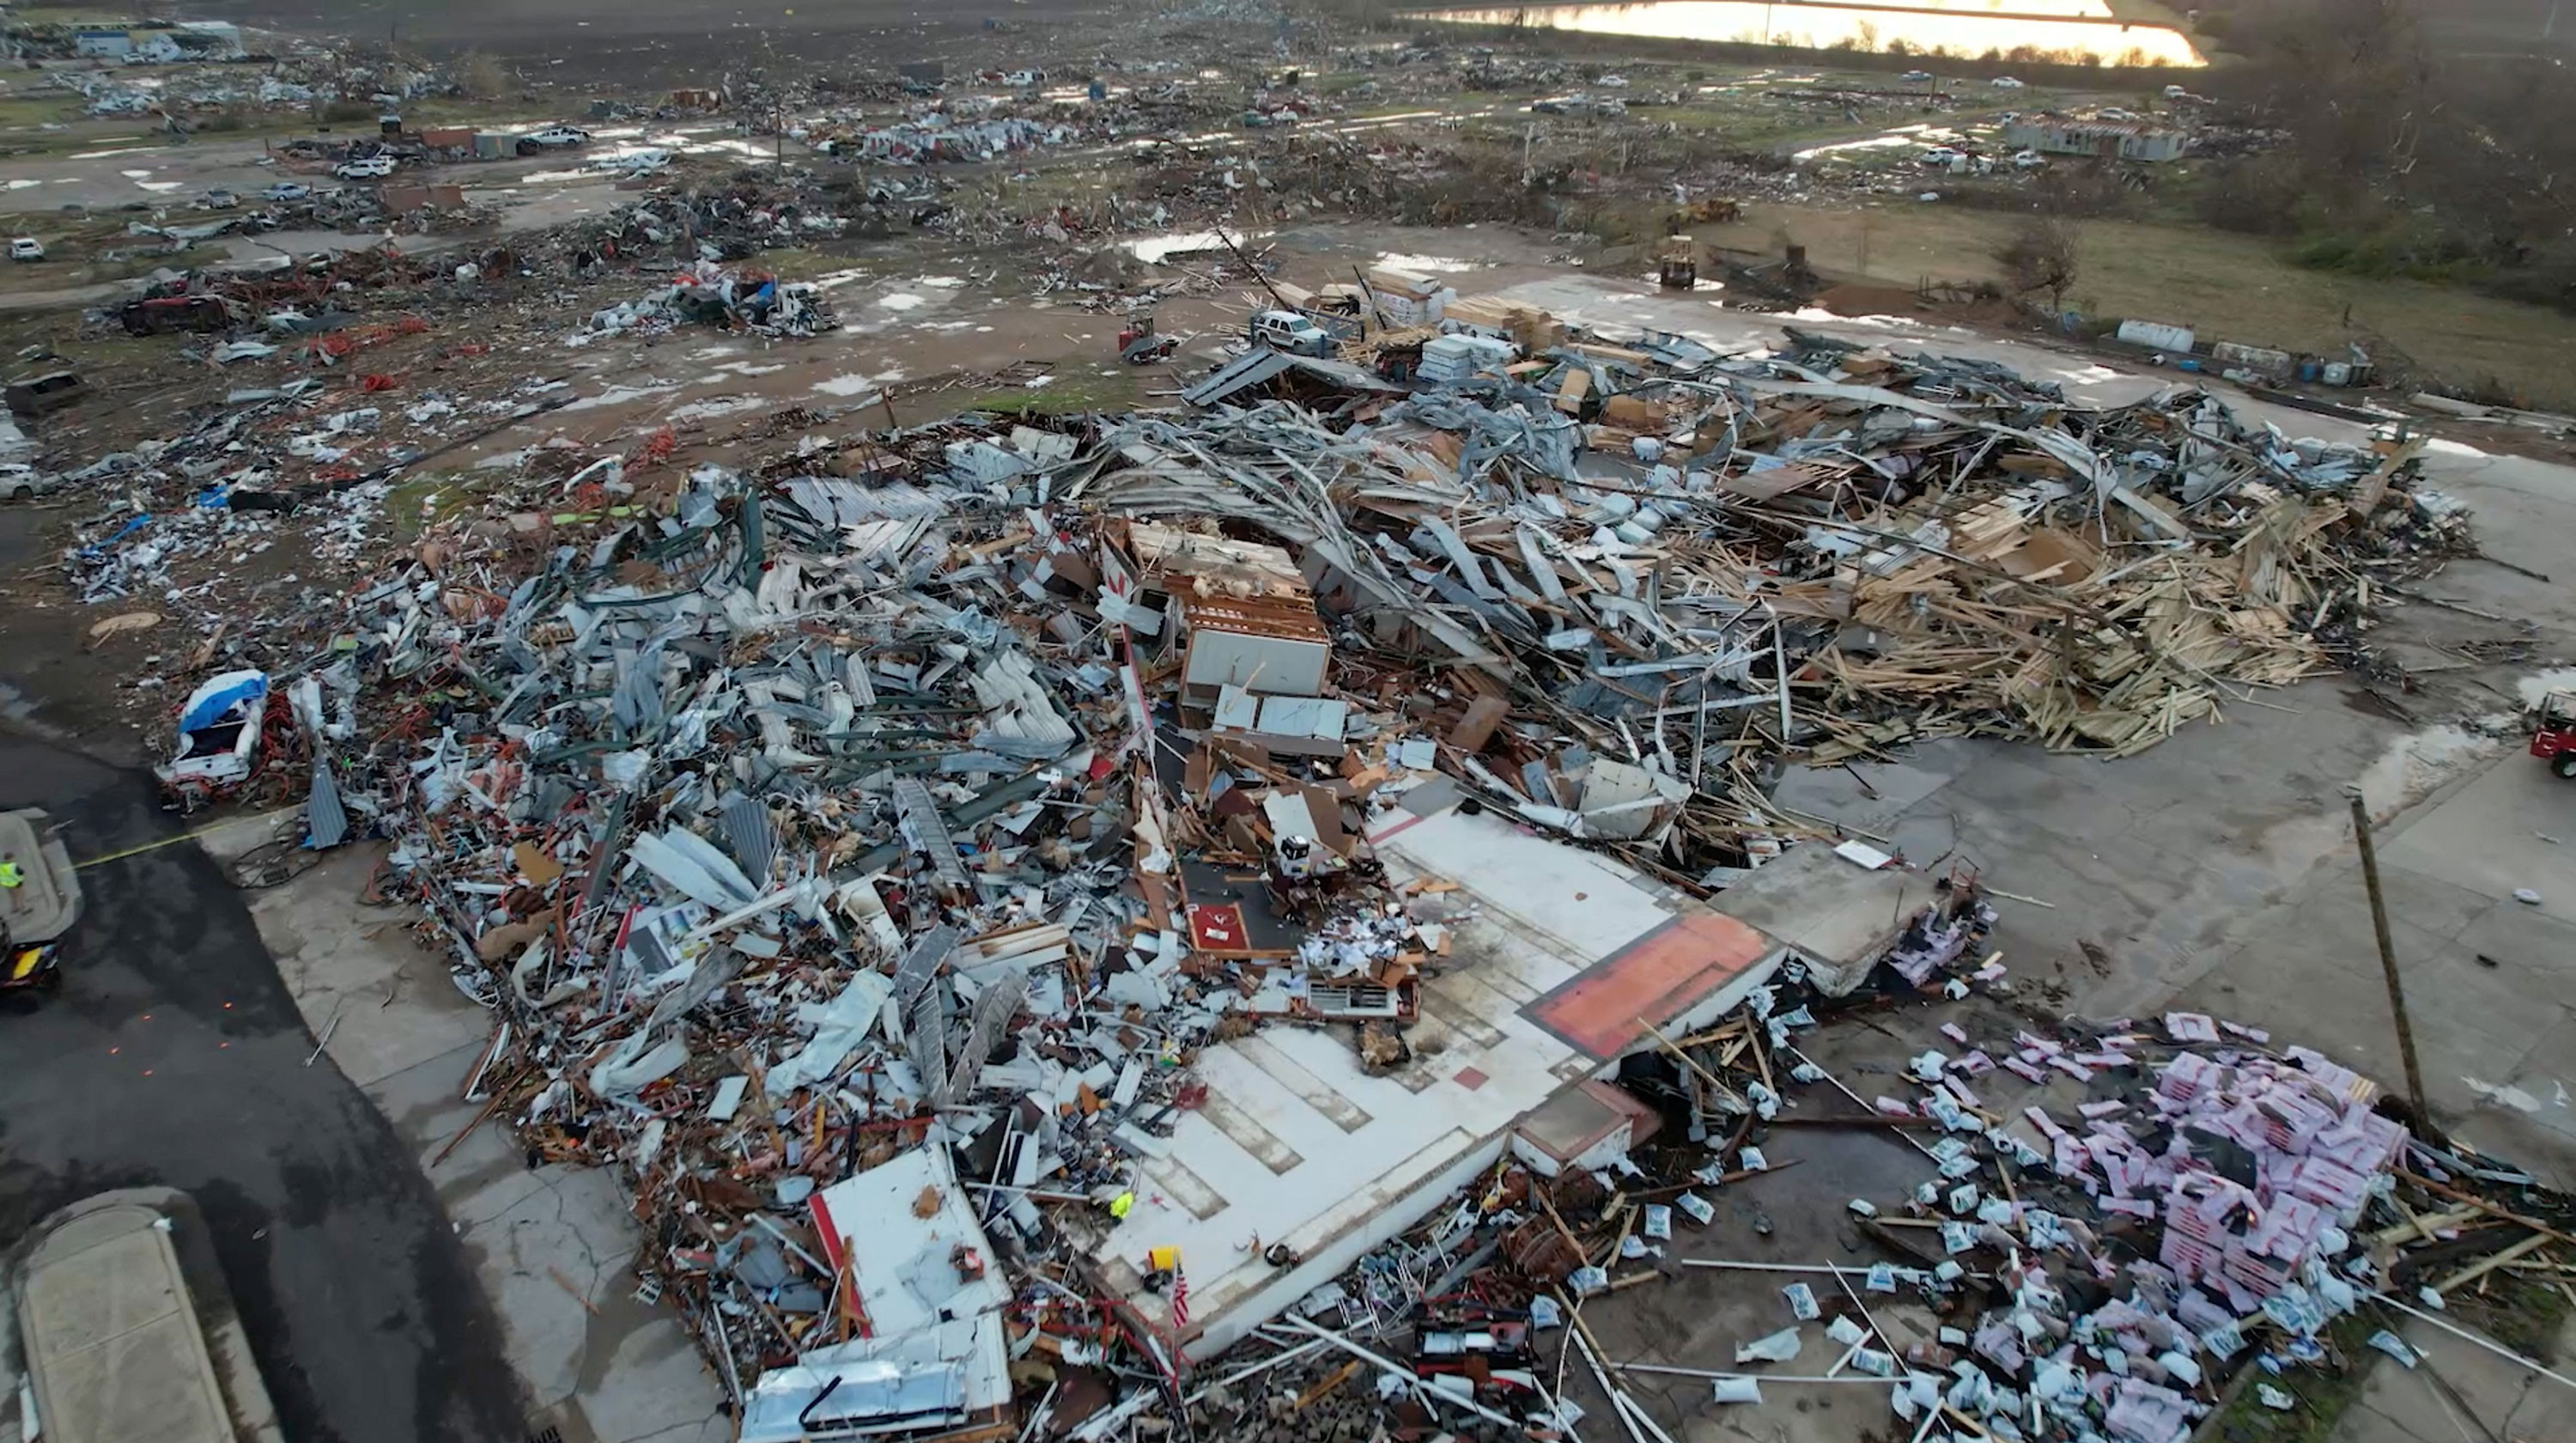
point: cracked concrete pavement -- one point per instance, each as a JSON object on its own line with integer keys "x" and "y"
{"x": 553, "y": 1246}
{"x": 2457, "y": 1393}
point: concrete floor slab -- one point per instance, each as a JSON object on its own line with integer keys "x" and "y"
{"x": 2477, "y": 1014}
{"x": 1924, "y": 834}
{"x": 2108, "y": 890}
{"x": 2441, "y": 908}
{"x": 2314, "y": 960}
{"x": 2410, "y": 1405}
{"x": 544, "y": 1259}
{"x": 2163, "y": 863}
{"x": 2493, "y": 1037}
{"x": 2486, "y": 836}
{"x": 650, "y": 1387}
{"x": 2331, "y": 998}
{"x": 2069, "y": 797}
{"x": 2536, "y": 948}
{"x": 553, "y": 1247}
{"x": 1873, "y": 796}
{"x": 2528, "y": 1112}
{"x": 387, "y": 1002}
{"x": 2548, "y": 1073}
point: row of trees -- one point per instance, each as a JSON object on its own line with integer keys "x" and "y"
{"x": 2402, "y": 159}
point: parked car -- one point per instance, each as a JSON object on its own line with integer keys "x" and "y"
{"x": 22, "y": 482}
{"x": 160, "y": 315}
{"x": 286, "y": 192}
{"x": 1916, "y": 77}
{"x": 374, "y": 167}
{"x": 1290, "y": 332}
{"x": 2029, "y": 160}
{"x": 220, "y": 199}
{"x": 1943, "y": 156}
{"x": 556, "y": 136}
{"x": 2113, "y": 112}
{"x": 2006, "y": 82}
{"x": 32, "y": 396}
{"x": 26, "y": 249}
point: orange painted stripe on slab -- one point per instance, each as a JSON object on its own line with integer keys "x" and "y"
{"x": 1656, "y": 976}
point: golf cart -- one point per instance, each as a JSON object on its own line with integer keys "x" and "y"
{"x": 2553, "y": 736}
{"x": 39, "y": 903}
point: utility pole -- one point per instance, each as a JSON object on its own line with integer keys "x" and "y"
{"x": 2388, "y": 966}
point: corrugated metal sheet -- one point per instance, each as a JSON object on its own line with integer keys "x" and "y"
{"x": 1249, "y": 369}
{"x": 326, "y": 822}
{"x": 749, "y": 836}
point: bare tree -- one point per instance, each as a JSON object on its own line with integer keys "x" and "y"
{"x": 480, "y": 75}
{"x": 2043, "y": 254}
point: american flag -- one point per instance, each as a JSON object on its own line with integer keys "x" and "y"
{"x": 1180, "y": 1299}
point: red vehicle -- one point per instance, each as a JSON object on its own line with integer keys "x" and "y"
{"x": 1141, "y": 345}
{"x": 2553, "y": 740}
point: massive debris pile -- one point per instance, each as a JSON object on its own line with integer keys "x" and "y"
{"x": 900, "y": 814}
{"x": 1829, "y": 552}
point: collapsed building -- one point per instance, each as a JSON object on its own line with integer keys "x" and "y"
{"x": 1023, "y": 901}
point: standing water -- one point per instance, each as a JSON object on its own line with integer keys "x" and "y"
{"x": 2066, "y": 30}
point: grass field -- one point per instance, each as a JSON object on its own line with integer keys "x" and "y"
{"x": 1072, "y": 392}
{"x": 2223, "y": 286}
{"x": 73, "y": 15}
{"x": 33, "y": 110}
{"x": 77, "y": 254}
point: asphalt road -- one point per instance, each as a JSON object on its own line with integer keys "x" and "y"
{"x": 174, "y": 1056}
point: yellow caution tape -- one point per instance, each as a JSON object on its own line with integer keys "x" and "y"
{"x": 152, "y": 846}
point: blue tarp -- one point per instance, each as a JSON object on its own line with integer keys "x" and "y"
{"x": 210, "y": 704}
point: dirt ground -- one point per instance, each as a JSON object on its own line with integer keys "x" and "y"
{"x": 636, "y": 40}
{"x": 926, "y": 331}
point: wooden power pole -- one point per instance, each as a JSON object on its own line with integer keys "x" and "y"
{"x": 2388, "y": 966}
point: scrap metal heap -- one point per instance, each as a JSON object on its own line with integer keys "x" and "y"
{"x": 928, "y": 799}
